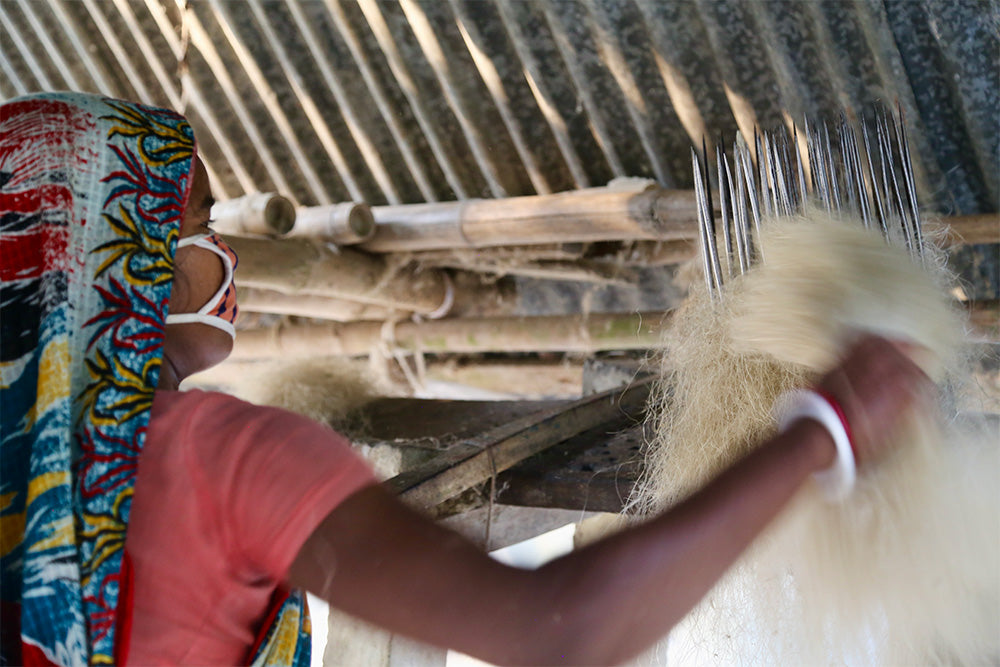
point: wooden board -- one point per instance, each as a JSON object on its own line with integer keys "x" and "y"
{"x": 477, "y": 459}
{"x": 594, "y": 471}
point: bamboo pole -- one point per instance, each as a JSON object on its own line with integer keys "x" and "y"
{"x": 594, "y": 214}
{"x": 257, "y": 300}
{"x": 257, "y": 213}
{"x": 468, "y": 257}
{"x": 294, "y": 266}
{"x": 473, "y": 297}
{"x": 555, "y": 333}
{"x": 629, "y": 254}
{"x": 349, "y": 223}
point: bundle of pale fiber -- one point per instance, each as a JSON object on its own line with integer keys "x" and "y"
{"x": 330, "y": 390}
{"x": 906, "y": 570}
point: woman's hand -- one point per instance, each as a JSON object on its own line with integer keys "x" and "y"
{"x": 877, "y": 385}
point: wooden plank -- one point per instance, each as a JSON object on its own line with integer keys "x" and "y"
{"x": 496, "y": 450}
{"x": 593, "y": 471}
{"x": 440, "y": 424}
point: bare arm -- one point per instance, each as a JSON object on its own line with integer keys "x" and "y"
{"x": 375, "y": 558}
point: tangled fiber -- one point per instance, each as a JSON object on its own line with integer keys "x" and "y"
{"x": 904, "y": 571}
{"x": 330, "y": 390}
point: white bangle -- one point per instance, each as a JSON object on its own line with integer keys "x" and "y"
{"x": 835, "y": 482}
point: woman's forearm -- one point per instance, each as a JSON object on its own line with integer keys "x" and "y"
{"x": 377, "y": 559}
{"x": 625, "y": 592}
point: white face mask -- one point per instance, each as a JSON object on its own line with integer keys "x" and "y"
{"x": 221, "y": 310}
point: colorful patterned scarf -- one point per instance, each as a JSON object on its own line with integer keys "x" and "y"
{"x": 92, "y": 192}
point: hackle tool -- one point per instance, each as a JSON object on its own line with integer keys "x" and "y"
{"x": 870, "y": 179}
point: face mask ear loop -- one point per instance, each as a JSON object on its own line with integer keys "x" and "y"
{"x": 190, "y": 240}
{"x": 226, "y": 281}
{"x": 201, "y": 240}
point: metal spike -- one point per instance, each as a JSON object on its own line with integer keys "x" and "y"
{"x": 700, "y": 199}
{"x": 762, "y": 177}
{"x": 800, "y": 169}
{"x": 782, "y": 170}
{"x": 739, "y": 210}
{"x": 908, "y": 179}
{"x": 832, "y": 166}
{"x": 892, "y": 183}
{"x": 811, "y": 182}
{"x": 772, "y": 173}
{"x": 818, "y": 161}
{"x": 710, "y": 218}
{"x": 744, "y": 177}
{"x": 858, "y": 184}
{"x": 851, "y": 195}
{"x": 754, "y": 193}
{"x": 880, "y": 213}
{"x": 725, "y": 205}
{"x": 707, "y": 216}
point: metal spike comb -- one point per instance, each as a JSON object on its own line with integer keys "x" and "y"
{"x": 871, "y": 179}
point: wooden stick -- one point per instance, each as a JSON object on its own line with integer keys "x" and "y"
{"x": 257, "y": 213}
{"x": 576, "y": 333}
{"x": 295, "y": 266}
{"x": 464, "y": 466}
{"x": 344, "y": 224}
{"x": 971, "y": 229}
{"x": 595, "y": 214}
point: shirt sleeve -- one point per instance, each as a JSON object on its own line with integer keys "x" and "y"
{"x": 273, "y": 476}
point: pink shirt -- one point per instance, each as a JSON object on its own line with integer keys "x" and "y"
{"x": 226, "y": 494}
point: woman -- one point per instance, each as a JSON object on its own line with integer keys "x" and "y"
{"x": 146, "y": 524}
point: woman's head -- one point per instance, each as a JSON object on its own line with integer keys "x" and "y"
{"x": 203, "y": 266}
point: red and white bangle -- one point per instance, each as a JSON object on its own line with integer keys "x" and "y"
{"x": 836, "y": 482}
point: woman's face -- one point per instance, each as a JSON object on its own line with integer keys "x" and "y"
{"x": 192, "y": 347}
